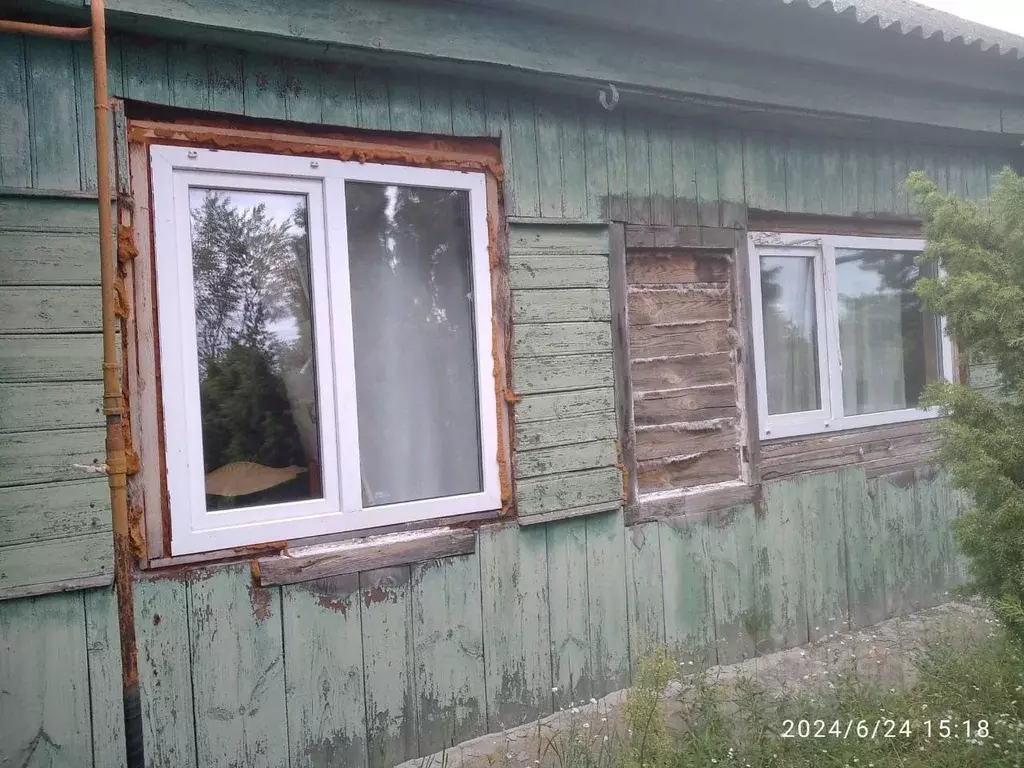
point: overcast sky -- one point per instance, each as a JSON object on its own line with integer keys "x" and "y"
{"x": 1002, "y": 14}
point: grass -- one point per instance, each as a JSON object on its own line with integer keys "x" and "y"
{"x": 701, "y": 723}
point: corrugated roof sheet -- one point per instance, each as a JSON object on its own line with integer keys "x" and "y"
{"x": 910, "y": 18}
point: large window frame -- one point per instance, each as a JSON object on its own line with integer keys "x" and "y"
{"x": 830, "y": 417}
{"x": 194, "y": 529}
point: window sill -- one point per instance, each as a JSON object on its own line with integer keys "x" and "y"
{"x": 324, "y": 560}
{"x": 694, "y": 503}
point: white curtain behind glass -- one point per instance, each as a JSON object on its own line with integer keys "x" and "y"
{"x": 410, "y": 262}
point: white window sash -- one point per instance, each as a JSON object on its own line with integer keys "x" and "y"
{"x": 322, "y": 182}
{"x": 831, "y": 417}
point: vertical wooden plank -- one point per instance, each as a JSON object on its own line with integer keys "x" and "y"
{"x": 82, "y": 52}
{"x": 824, "y": 554}
{"x": 929, "y": 530}
{"x": 165, "y": 672}
{"x": 730, "y": 179}
{"x": 338, "y": 101}
{"x": 977, "y": 176}
{"x": 449, "y": 651}
{"x": 662, "y": 194}
{"x": 885, "y": 181}
{"x": 227, "y": 81}
{"x": 596, "y": 140}
{"x": 901, "y": 169}
{"x": 862, "y": 526}
{"x": 302, "y": 91}
{"x": 764, "y": 165}
{"x": 103, "y": 643}
{"x": 638, "y": 171}
{"x": 404, "y": 99}
{"x": 373, "y": 112}
{"x": 684, "y": 177}
{"x": 266, "y": 86}
{"x": 832, "y": 177}
{"x": 685, "y": 572}
{"x": 569, "y": 611}
{"x": 54, "y": 120}
{"x": 645, "y": 600}
{"x": 850, "y": 173}
{"x": 145, "y": 65}
{"x": 865, "y": 177}
{"x": 731, "y": 536}
{"x": 917, "y": 161}
{"x": 189, "y": 75}
{"x": 238, "y": 677}
{"x": 496, "y": 108}
{"x": 525, "y": 182}
{"x": 517, "y": 631}
{"x": 897, "y": 506}
{"x": 606, "y": 590}
{"x": 779, "y": 567}
{"x": 44, "y": 682}
{"x": 549, "y": 160}
{"x": 805, "y": 172}
{"x": 617, "y": 188}
{"x": 323, "y": 649}
{"x": 388, "y": 664}
{"x": 469, "y": 117}
{"x": 436, "y": 98}
{"x": 956, "y": 176}
{"x": 15, "y": 133}
{"x": 574, "y": 166}
{"x": 705, "y": 152}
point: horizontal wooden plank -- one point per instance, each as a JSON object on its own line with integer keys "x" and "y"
{"x": 55, "y": 587}
{"x": 49, "y": 357}
{"x": 326, "y": 560}
{"x": 49, "y": 310}
{"x": 554, "y": 374}
{"x": 43, "y": 457}
{"x": 49, "y": 258}
{"x": 682, "y": 372}
{"x": 54, "y": 510}
{"x": 566, "y": 458}
{"x": 677, "y": 305}
{"x": 36, "y": 214}
{"x": 850, "y": 439}
{"x": 668, "y": 267}
{"x": 693, "y": 504}
{"x": 538, "y": 339}
{"x": 557, "y": 238}
{"x": 56, "y": 560}
{"x": 567, "y": 514}
{"x": 686, "y": 339}
{"x": 531, "y": 272}
{"x": 695, "y": 404}
{"x": 702, "y": 469}
{"x": 564, "y": 405}
{"x": 683, "y": 440}
{"x": 561, "y": 306}
{"x": 31, "y": 407}
{"x": 569, "y": 490}
{"x": 910, "y": 449}
{"x": 582, "y": 429}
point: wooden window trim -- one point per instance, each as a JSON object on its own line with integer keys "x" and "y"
{"x": 148, "y": 485}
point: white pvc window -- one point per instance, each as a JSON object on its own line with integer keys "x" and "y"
{"x": 840, "y": 338}
{"x": 325, "y": 345}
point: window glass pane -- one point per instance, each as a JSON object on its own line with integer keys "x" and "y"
{"x": 890, "y": 347}
{"x": 790, "y": 334}
{"x": 254, "y": 334}
{"x": 410, "y": 263}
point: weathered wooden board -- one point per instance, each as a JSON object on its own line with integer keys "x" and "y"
{"x": 162, "y": 620}
{"x": 448, "y": 640}
{"x": 686, "y": 578}
{"x": 56, "y": 560}
{"x": 697, "y": 403}
{"x": 549, "y": 159}
{"x": 568, "y": 490}
{"x": 824, "y": 546}
{"x": 238, "y": 676}
{"x": 557, "y": 305}
{"x": 32, "y": 407}
{"x": 560, "y": 339}
{"x": 50, "y": 358}
{"x": 69, "y": 309}
{"x": 583, "y": 429}
{"x": 569, "y": 612}
{"x": 647, "y": 341}
{"x": 557, "y": 239}
{"x": 388, "y": 665}
{"x": 779, "y": 572}
{"x": 564, "y": 406}
{"x": 44, "y": 676}
{"x": 713, "y": 369}
{"x": 516, "y": 625}
{"x": 684, "y": 439}
{"x": 106, "y": 689}
{"x": 864, "y": 539}
{"x": 686, "y": 471}
{"x": 671, "y": 267}
{"x": 677, "y": 305}
{"x": 529, "y": 272}
{"x": 39, "y": 457}
{"x": 53, "y": 126}
{"x": 54, "y": 510}
{"x": 731, "y": 538}
{"x": 534, "y": 375}
{"x": 566, "y": 458}
{"x": 49, "y": 258}
{"x": 607, "y": 586}
{"x": 323, "y": 652}
{"x": 645, "y": 605}
{"x": 15, "y": 151}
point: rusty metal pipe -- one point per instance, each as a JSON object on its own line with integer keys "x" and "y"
{"x": 45, "y": 30}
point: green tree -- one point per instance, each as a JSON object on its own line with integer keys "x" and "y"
{"x": 981, "y": 250}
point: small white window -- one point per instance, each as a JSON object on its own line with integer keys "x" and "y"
{"x": 841, "y": 339}
{"x": 325, "y": 344}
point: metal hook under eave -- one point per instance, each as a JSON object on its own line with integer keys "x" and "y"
{"x": 609, "y": 97}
